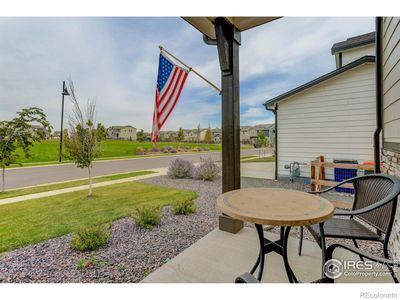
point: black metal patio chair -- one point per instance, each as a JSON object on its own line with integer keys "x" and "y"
{"x": 248, "y": 278}
{"x": 375, "y": 203}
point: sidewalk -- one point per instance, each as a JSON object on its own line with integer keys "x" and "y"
{"x": 265, "y": 170}
{"x": 159, "y": 171}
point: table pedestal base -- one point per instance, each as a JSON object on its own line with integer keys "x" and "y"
{"x": 279, "y": 246}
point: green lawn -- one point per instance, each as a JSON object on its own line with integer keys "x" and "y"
{"x": 32, "y": 221}
{"x": 56, "y": 186}
{"x": 47, "y": 151}
{"x": 263, "y": 159}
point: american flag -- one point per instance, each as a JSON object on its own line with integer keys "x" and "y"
{"x": 170, "y": 82}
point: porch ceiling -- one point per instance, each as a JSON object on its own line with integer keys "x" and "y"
{"x": 206, "y": 24}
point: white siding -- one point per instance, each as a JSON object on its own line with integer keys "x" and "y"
{"x": 335, "y": 118}
{"x": 351, "y": 55}
{"x": 391, "y": 81}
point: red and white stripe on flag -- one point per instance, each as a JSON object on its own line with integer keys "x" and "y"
{"x": 170, "y": 82}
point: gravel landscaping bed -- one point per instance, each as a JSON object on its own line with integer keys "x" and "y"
{"x": 132, "y": 253}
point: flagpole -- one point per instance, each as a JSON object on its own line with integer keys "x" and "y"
{"x": 191, "y": 69}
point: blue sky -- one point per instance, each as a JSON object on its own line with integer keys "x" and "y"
{"x": 115, "y": 60}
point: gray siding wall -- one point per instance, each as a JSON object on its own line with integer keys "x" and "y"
{"x": 335, "y": 118}
{"x": 391, "y": 112}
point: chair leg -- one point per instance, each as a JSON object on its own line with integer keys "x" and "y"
{"x": 386, "y": 253}
{"x": 301, "y": 240}
{"x": 356, "y": 245}
{"x": 323, "y": 246}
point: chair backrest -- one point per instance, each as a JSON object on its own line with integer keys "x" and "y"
{"x": 370, "y": 189}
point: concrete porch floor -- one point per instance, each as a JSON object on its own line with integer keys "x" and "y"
{"x": 220, "y": 256}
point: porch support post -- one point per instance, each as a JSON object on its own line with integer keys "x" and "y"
{"x": 228, "y": 41}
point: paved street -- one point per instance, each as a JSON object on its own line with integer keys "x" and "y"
{"x": 21, "y": 177}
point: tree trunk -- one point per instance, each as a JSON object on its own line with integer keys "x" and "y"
{"x": 90, "y": 182}
{"x": 3, "y": 179}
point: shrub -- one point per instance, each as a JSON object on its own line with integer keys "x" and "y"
{"x": 147, "y": 216}
{"x": 172, "y": 150}
{"x": 91, "y": 262}
{"x": 140, "y": 150}
{"x": 207, "y": 170}
{"x": 184, "y": 207}
{"x": 180, "y": 168}
{"x": 91, "y": 238}
{"x": 154, "y": 149}
{"x": 165, "y": 151}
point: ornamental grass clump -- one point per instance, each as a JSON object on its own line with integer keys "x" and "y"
{"x": 147, "y": 216}
{"x": 180, "y": 168}
{"x": 184, "y": 207}
{"x": 207, "y": 170}
{"x": 91, "y": 238}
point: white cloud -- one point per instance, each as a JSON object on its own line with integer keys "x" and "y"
{"x": 290, "y": 44}
{"x": 294, "y": 50}
{"x": 253, "y": 112}
{"x": 262, "y": 121}
{"x": 115, "y": 61}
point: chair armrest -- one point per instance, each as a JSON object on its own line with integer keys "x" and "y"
{"x": 246, "y": 278}
{"x": 335, "y": 186}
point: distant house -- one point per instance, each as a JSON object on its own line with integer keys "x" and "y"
{"x": 56, "y": 135}
{"x": 245, "y": 134}
{"x": 268, "y": 129}
{"x": 41, "y": 130}
{"x": 167, "y": 136}
{"x": 217, "y": 135}
{"x": 203, "y": 133}
{"x": 194, "y": 136}
{"x": 122, "y": 133}
{"x": 332, "y": 115}
{"x": 190, "y": 135}
{"x": 248, "y": 134}
{"x": 269, "y": 132}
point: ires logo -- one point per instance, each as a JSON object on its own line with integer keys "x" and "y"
{"x": 335, "y": 268}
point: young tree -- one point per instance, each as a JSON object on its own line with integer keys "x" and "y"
{"x": 101, "y": 132}
{"x": 180, "y": 136}
{"x": 209, "y": 136}
{"x": 82, "y": 143}
{"x": 18, "y": 133}
{"x": 261, "y": 138}
{"x": 198, "y": 133}
{"x": 140, "y": 136}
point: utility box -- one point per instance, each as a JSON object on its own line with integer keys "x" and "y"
{"x": 343, "y": 174}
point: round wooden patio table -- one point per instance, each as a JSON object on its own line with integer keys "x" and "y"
{"x": 278, "y": 207}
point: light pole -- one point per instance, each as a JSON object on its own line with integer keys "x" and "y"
{"x": 64, "y": 93}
